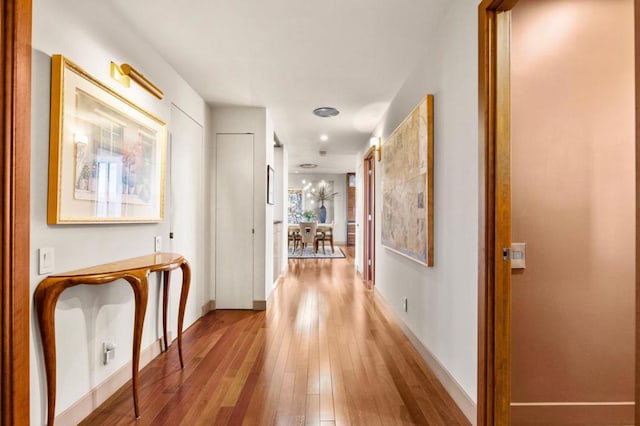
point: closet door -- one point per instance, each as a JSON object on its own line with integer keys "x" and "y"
{"x": 186, "y": 213}
{"x": 234, "y": 221}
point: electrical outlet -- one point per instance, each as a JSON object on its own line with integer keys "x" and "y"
{"x": 108, "y": 352}
{"x": 158, "y": 243}
{"x": 46, "y": 260}
{"x": 405, "y": 304}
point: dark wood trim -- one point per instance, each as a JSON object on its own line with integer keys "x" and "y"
{"x": 369, "y": 240}
{"x": 430, "y": 179}
{"x": 15, "y": 157}
{"x": 486, "y": 178}
{"x": 637, "y": 61}
{"x": 502, "y": 268}
{"x": 493, "y": 325}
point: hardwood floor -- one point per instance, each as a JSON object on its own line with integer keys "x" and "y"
{"x": 324, "y": 353}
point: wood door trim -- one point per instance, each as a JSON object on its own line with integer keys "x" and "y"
{"x": 369, "y": 229}
{"x": 637, "y": 81}
{"x": 493, "y": 319}
{"x": 15, "y": 158}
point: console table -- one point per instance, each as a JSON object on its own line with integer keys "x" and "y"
{"x": 135, "y": 271}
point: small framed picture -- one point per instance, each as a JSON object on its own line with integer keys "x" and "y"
{"x": 270, "y": 177}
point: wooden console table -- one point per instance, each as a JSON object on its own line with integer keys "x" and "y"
{"x": 135, "y": 271}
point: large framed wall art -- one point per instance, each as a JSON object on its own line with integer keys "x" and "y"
{"x": 407, "y": 186}
{"x": 106, "y": 154}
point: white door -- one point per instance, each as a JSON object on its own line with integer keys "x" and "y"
{"x": 234, "y": 221}
{"x": 186, "y": 211}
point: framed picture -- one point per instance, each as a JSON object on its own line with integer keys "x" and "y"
{"x": 407, "y": 185}
{"x": 106, "y": 154}
{"x": 270, "y": 177}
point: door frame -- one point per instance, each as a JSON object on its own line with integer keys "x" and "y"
{"x": 15, "y": 160}
{"x": 494, "y": 275}
{"x": 369, "y": 236}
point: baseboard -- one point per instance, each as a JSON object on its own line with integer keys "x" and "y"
{"x": 573, "y": 413}
{"x": 99, "y": 394}
{"x": 208, "y": 307}
{"x": 453, "y": 388}
{"x": 259, "y": 305}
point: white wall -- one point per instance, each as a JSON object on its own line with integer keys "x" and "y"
{"x": 443, "y": 299}
{"x": 257, "y": 121}
{"x": 91, "y": 35}
{"x": 339, "y": 202}
{"x": 281, "y": 163}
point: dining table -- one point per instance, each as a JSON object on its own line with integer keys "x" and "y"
{"x": 320, "y": 227}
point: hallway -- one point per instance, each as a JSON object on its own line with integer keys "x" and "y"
{"x": 324, "y": 353}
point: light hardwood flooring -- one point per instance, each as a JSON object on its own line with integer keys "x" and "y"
{"x": 324, "y": 353}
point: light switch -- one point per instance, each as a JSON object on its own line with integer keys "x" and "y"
{"x": 47, "y": 260}
{"x": 518, "y": 255}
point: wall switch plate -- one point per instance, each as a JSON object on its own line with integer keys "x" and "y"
{"x": 108, "y": 352}
{"x": 46, "y": 261}
{"x": 158, "y": 243}
{"x": 518, "y": 255}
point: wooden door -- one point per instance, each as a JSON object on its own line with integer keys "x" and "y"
{"x": 234, "y": 221}
{"x": 369, "y": 217}
{"x": 572, "y": 202}
{"x": 187, "y": 207}
{"x": 497, "y": 286}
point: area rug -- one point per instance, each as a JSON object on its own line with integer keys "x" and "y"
{"x": 309, "y": 254}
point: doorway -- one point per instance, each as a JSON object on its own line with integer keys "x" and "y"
{"x": 556, "y": 337}
{"x": 369, "y": 216}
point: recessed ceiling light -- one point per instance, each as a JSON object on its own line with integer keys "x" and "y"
{"x": 308, "y": 166}
{"x": 326, "y": 112}
{"x": 324, "y": 138}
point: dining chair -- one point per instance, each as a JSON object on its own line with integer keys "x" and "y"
{"x": 320, "y": 237}
{"x": 308, "y": 235}
{"x": 328, "y": 235}
{"x": 294, "y": 237}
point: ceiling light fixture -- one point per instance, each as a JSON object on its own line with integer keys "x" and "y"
{"x": 324, "y": 138}
{"x": 308, "y": 166}
{"x": 326, "y": 112}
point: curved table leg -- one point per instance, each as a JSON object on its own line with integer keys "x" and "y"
{"x": 140, "y": 285}
{"x": 45, "y": 299}
{"x": 186, "y": 282}
{"x": 166, "y": 281}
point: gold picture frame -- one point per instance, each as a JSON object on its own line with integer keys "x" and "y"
{"x": 106, "y": 154}
{"x": 407, "y": 185}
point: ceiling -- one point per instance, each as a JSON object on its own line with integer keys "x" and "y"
{"x": 293, "y": 56}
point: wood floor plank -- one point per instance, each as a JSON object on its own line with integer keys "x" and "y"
{"x": 324, "y": 353}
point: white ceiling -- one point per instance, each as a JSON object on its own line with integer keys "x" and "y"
{"x": 293, "y": 56}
